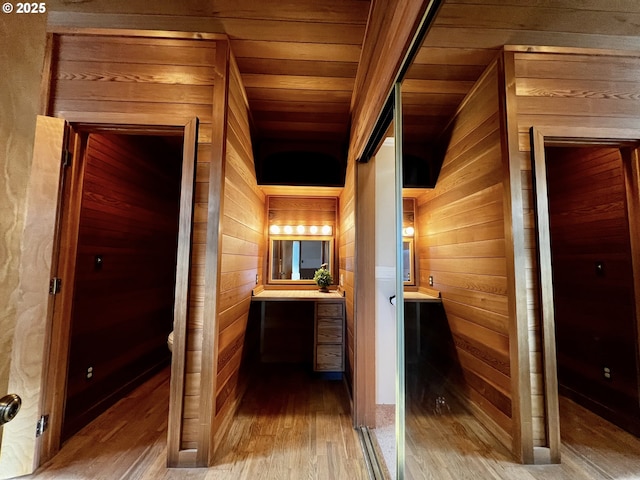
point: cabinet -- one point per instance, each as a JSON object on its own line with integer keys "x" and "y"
{"x": 329, "y": 337}
{"x": 295, "y": 313}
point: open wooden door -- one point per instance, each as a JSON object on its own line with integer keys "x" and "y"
{"x": 38, "y": 359}
{"x": 19, "y": 450}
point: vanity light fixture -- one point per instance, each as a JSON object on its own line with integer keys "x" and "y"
{"x": 308, "y": 230}
{"x": 408, "y": 232}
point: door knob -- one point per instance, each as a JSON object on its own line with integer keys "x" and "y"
{"x": 9, "y": 407}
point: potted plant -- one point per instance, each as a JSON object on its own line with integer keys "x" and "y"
{"x": 322, "y": 277}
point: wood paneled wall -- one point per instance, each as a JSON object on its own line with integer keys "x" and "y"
{"x": 159, "y": 76}
{"x": 242, "y": 254}
{"x": 594, "y": 307}
{"x": 461, "y": 244}
{"x": 123, "y": 306}
{"x": 571, "y": 89}
{"x": 346, "y": 255}
{"x": 155, "y": 76}
{"x": 294, "y": 210}
{"x": 558, "y": 91}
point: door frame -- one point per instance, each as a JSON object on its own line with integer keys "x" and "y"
{"x": 542, "y": 137}
{"x": 65, "y": 234}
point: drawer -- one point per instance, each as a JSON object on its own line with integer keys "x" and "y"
{"x": 329, "y": 358}
{"x": 329, "y": 330}
{"x": 329, "y": 309}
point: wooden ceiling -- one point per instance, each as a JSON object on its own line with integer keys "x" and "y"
{"x": 467, "y": 34}
{"x": 298, "y": 61}
{"x": 299, "y": 58}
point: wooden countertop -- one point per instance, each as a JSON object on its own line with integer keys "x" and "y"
{"x": 262, "y": 294}
{"x": 421, "y": 297}
{"x": 296, "y": 295}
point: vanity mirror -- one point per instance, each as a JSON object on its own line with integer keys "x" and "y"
{"x": 408, "y": 236}
{"x": 295, "y": 260}
{"x": 407, "y": 265}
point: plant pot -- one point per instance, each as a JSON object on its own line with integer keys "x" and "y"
{"x": 323, "y": 289}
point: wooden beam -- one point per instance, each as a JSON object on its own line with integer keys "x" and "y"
{"x": 515, "y": 250}
{"x": 215, "y": 209}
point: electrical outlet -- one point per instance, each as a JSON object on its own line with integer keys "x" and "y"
{"x": 607, "y": 373}
{"x": 431, "y": 280}
{"x": 257, "y": 278}
{"x": 89, "y": 373}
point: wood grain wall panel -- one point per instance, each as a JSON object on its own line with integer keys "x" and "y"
{"x": 564, "y": 89}
{"x": 346, "y": 265}
{"x": 461, "y": 244}
{"x": 123, "y": 309}
{"x": 149, "y": 50}
{"x": 584, "y": 90}
{"x": 303, "y": 210}
{"x": 156, "y": 76}
{"x": 241, "y": 257}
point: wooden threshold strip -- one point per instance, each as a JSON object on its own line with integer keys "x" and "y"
{"x": 370, "y": 455}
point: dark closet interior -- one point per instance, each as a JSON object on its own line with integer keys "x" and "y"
{"x": 595, "y": 318}
{"x": 125, "y": 270}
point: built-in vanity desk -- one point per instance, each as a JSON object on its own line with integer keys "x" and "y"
{"x": 328, "y": 319}
{"x": 420, "y": 297}
{"x": 413, "y": 329}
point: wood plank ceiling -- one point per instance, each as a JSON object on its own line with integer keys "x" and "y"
{"x": 299, "y": 59}
{"x": 467, "y": 34}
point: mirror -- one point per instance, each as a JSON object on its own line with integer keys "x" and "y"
{"x": 407, "y": 262}
{"x": 408, "y": 236}
{"x": 295, "y": 260}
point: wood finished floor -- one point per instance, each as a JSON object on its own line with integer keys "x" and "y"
{"x": 454, "y": 446}
{"x": 290, "y": 426}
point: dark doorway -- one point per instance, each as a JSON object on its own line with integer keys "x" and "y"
{"x": 125, "y": 269}
{"x": 593, "y": 286}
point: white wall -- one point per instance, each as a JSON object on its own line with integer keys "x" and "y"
{"x": 385, "y": 273}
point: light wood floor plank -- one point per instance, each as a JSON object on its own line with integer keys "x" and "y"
{"x": 454, "y": 445}
{"x": 293, "y": 426}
